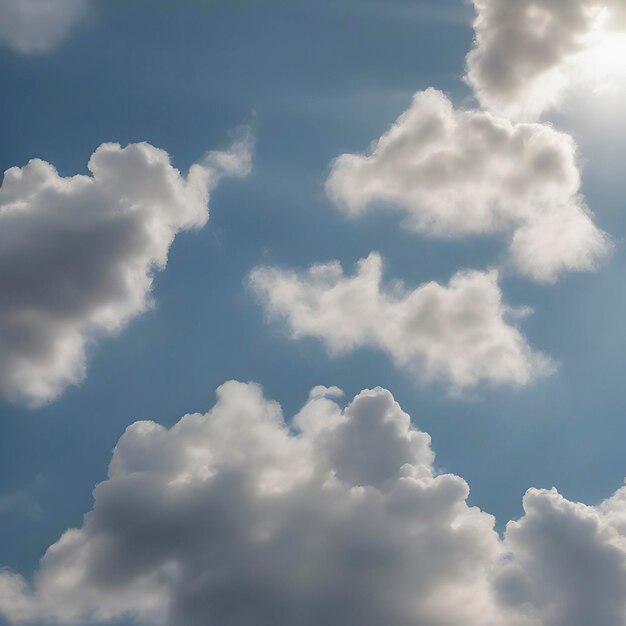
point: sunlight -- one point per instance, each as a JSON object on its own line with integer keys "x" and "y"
{"x": 602, "y": 65}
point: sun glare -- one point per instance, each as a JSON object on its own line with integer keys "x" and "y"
{"x": 605, "y": 62}
{"x": 602, "y": 64}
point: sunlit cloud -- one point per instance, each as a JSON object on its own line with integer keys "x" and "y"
{"x": 529, "y": 55}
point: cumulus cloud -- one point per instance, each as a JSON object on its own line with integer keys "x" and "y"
{"x": 455, "y": 173}
{"x": 34, "y": 26}
{"x": 233, "y": 518}
{"x": 528, "y": 53}
{"x": 78, "y": 254}
{"x": 236, "y": 518}
{"x": 460, "y": 333}
{"x": 567, "y": 561}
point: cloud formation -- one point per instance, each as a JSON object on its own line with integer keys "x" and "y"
{"x": 566, "y": 562}
{"x": 78, "y": 254}
{"x": 455, "y": 173}
{"x": 232, "y": 518}
{"x": 459, "y": 333}
{"x": 528, "y": 53}
{"x": 35, "y": 26}
{"x": 237, "y": 519}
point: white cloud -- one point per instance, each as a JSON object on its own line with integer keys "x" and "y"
{"x": 567, "y": 563}
{"x": 230, "y": 518}
{"x": 457, "y": 333}
{"x": 234, "y": 518}
{"x": 455, "y": 173}
{"x": 77, "y": 255}
{"x": 529, "y": 53}
{"x": 35, "y": 26}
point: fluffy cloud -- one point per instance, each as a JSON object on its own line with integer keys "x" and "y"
{"x": 567, "y": 561}
{"x": 232, "y": 518}
{"x": 77, "y": 255}
{"x": 528, "y": 53}
{"x": 237, "y": 519}
{"x": 32, "y": 26}
{"x": 457, "y": 333}
{"x": 456, "y": 172}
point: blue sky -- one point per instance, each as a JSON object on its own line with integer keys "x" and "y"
{"x": 313, "y": 79}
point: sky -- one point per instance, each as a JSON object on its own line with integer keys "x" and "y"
{"x": 423, "y": 199}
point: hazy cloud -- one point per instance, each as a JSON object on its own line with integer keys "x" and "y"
{"x": 33, "y": 26}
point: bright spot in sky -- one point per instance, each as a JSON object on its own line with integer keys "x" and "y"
{"x": 603, "y": 65}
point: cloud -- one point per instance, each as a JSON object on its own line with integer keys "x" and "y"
{"x": 455, "y": 173}
{"x": 78, "y": 254}
{"x": 527, "y": 54}
{"x": 36, "y": 26}
{"x": 20, "y": 503}
{"x": 235, "y": 518}
{"x": 232, "y": 518}
{"x": 567, "y": 561}
{"x": 457, "y": 333}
